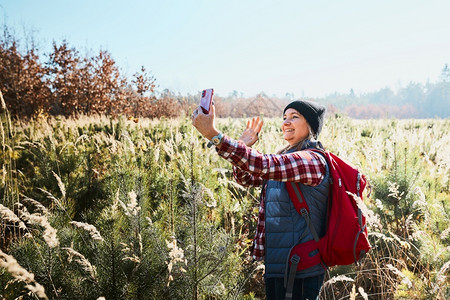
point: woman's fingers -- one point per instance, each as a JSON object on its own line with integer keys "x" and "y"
{"x": 258, "y": 123}
{"x": 212, "y": 110}
{"x": 254, "y": 124}
{"x": 259, "y": 126}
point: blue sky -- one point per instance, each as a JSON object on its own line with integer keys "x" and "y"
{"x": 308, "y": 48}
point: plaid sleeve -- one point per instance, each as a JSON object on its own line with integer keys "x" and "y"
{"x": 305, "y": 166}
{"x": 246, "y": 178}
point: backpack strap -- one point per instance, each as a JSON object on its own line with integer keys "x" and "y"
{"x": 295, "y": 260}
{"x": 298, "y": 199}
{"x": 303, "y": 260}
{"x": 362, "y": 225}
{"x": 290, "y": 281}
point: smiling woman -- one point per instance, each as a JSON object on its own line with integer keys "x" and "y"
{"x": 302, "y": 121}
{"x": 280, "y": 227}
{"x": 295, "y": 128}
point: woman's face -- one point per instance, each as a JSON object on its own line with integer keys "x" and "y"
{"x": 295, "y": 127}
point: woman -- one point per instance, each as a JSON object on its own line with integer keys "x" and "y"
{"x": 280, "y": 227}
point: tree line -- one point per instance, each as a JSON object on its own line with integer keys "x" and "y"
{"x": 69, "y": 83}
{"x": 416, "y": 100}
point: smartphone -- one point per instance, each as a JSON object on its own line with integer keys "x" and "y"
{"x": 206, "y": 101}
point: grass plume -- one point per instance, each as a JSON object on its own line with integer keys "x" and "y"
{"x": 93, "y": 232}
{"x": 79, "y": 258}
{"x": 49, "y": 234}
{"x": 21, "y": 274}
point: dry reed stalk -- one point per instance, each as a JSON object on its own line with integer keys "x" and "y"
{"x": 441, "y": 278}
{"x": 141, "y": 246}
{"x": 130, "y": 143}
{"x": 176, "y": 255}
{"x": 422, "y": 202}
{"x": 210, "y": 194}
{"x": 133, "y": 258}
{"x": 379, "y": 204}
{"x": 445, "y": 233}
{"x": 371, "y": 217}
{"x": 405, "y": 280}
{"x": 82, "y": 138}
{"x": 8, "y": 119}
{"x": 3, "y": 173}
{"x": 9, "y": 216}
{"x": 81, "y": 260}
{"x": 49, "y": 234}
{"x": 363, "y": 293}
{"x": 60, "y": 185}
{"x": 130, "y": 256}
{"x": 2, "y": 102}
{"x": 38, "y": 205}
{"x": 132, "y": 208}
{"x": 93, "y": 232}
{"x": 20, "y": 274}
{"x": 338, "y": 278}
{"x": 53, "y": 198}
{"x": 353, "y": 293}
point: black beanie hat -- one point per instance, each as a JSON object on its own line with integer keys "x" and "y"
{"x": 314, "y": 113}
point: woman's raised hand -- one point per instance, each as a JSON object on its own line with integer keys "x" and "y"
{"x": 205, "y": 123}
{"x": 251, "y": 132}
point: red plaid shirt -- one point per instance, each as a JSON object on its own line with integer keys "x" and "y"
{"x": 252, "y": 168}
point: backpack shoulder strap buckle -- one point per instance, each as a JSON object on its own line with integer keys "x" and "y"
{"x": 304, "y": 212}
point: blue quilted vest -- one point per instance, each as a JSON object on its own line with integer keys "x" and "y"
{"x": 284, "y": 225}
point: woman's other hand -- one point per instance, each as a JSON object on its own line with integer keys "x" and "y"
{"x": 251, "y": 132}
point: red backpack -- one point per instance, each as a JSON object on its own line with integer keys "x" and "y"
{"x": 345, "y": 241}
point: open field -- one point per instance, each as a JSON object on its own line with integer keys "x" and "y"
{"x": 142, "y": 209}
